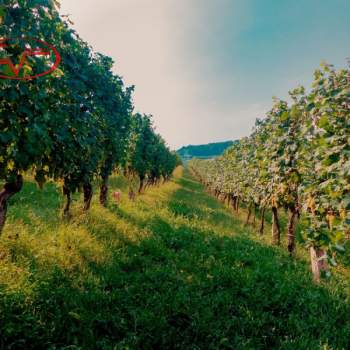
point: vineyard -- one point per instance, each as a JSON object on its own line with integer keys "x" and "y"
{"x": 109, "y": 241}
{"x": 75, "y": 125}
{"x": 172, "y": 269}
{"x": 297, "y": 159}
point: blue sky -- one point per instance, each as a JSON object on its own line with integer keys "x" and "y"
{"x": 206, "y": 69}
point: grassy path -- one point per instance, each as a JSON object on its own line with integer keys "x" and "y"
{"x": 174, "y": 270}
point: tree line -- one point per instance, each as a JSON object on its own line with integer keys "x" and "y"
{"x": 297, "y": 158}
{"x": 74, "y": 125}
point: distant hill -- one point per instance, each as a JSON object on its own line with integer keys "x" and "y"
{"x": 209, "y": 150}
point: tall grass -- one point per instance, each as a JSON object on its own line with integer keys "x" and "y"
{"x": 172, "y": 270}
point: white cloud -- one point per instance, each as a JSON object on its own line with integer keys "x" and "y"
{"x": 195, "y": 63}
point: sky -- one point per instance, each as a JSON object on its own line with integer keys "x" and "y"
{"x": 206, "y": 69}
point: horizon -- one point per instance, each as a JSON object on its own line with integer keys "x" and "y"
{"x": 204, "y": 144}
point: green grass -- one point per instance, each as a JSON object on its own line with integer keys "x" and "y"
{"x": 174, "y": 270}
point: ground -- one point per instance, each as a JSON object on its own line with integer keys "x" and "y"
{"x": 173, "y": 270}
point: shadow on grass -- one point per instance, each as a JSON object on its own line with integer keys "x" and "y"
{"x": 31, "y": 202}
{"x": 182, "y": 287}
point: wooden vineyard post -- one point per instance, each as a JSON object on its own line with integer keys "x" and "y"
{"x": 318, "y": 263}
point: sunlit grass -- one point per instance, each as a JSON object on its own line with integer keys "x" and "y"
{"x": 174, "y": 269}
